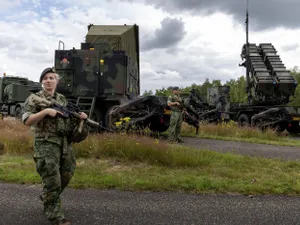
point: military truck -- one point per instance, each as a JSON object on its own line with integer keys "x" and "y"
{"x": 13, "y": 92}
{"x": 269, "y": 87}
{"x": 103, "y": 78}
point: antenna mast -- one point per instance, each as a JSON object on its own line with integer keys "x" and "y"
{"x": 247, "y": 23}
{"x": 247, "y": 54}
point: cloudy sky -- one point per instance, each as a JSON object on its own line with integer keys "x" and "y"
{"x": 182, "y": 41}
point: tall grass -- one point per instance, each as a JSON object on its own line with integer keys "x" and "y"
{"x": 143, "y": 149}
{"x": 231, "y": 129}
{"x": 16, "y": 137}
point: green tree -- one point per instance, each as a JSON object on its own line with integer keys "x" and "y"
{"x": 237, "y": 89}
{"x": 163, "y": 91}
{"x": 295, "y": 100}
{"x": 147, "y": 93}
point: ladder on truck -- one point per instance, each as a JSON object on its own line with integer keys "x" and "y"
{"x": 87, "y": 105}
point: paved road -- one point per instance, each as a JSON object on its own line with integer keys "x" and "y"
{"x": 19, "y": 205}
{"x": 245, "y": 148}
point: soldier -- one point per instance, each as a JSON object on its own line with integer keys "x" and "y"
{"x": 175, "y": 103}
{"x": 53, "y": 153}
{"x": 223, "y": 108}
{"x": 192, "y": 104}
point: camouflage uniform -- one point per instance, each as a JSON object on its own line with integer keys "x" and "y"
{"x": 175, "y": 119}
{"x": 193, "y": 102}
{"x": 192, "y": 113}
{"x": 53, "y": 153}
{"x": 222, "y": 107}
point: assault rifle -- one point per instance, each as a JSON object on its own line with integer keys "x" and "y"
{"x": 188, "y": 118}
{"x": 67, "y": 111}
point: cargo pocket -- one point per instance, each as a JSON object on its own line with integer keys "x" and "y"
{"x": 38, "y": 149}
{"x": 51, "y": 167}
{"x": 39, "y": 165}
{"x": 68, "y": 163}
{"x": 46, "y": 167}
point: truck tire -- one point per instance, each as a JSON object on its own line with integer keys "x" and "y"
{"x": 243, "y": 120}
{"x": 294, "y": 129}
{"x": 157, "y": 126}
{"x": 280, "y": 127}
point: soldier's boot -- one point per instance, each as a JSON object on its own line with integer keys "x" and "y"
{"x": 180, "y": 140}
{"x": 171, "y": 138}
{"x": 197, "y": 130}
{"x": 171, "y": 141}
{"x": 61, "y": 222}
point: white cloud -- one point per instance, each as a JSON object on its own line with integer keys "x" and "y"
{"x": 8, "y": 4}
{"x": 210, "y": 47}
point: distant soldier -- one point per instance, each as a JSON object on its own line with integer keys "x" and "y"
{"x": 221, "y": 104}
{"x": 53, "y": 138}
{"x": 176, "y": 105}
{"x": 193, "y": 104}
{"x": 223, "y": 108}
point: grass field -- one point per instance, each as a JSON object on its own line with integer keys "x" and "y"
{"x": 130, "y": 162}
{"x": 231, "y": 132}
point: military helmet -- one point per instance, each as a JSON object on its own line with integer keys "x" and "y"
{"x": 175, "y": 88}
{"x": 45, "y": 71}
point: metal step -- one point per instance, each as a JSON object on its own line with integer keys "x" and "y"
{"x": 87, "y": 104}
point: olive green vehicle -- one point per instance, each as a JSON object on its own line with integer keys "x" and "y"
{"x": 13, "y": 93}
{"x": 103, "y": 78}
{"x": 269, "y": 86}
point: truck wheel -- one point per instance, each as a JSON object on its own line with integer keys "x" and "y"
{"x": 243, "y": 120}
{"x": 280, "y": 127}
{"x": 157, "y": 126}
{"x": 294, "y": 129}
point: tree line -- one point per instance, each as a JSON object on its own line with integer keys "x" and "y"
{"x": 237, "y": 88}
